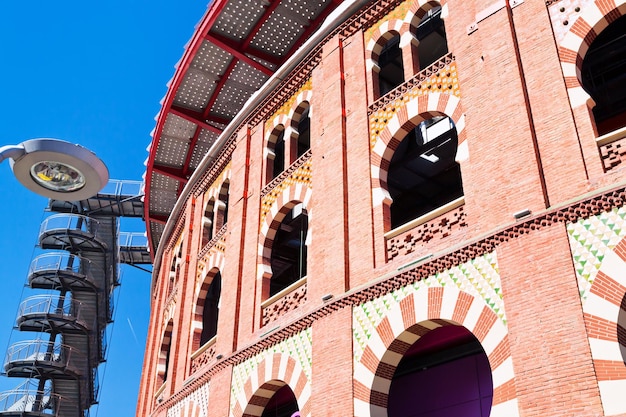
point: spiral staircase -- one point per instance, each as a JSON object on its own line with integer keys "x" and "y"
{"x": 75, "y": 277}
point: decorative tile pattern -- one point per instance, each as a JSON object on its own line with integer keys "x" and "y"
{"x": 590, "y": 239}
{"x": 196, "y": 401}
{"x": 441, "y": 77}
{"x": 287, "y": 107}
{"x": 204, "y": 358}
{"x": 301, "y": 175}
{"x": 299, "y": 347}
{"x": 284, "y": 305}
{"x": 613, "y": 154}
{"x": 478, "y": 277}
{"x": 398, "y": 13}
{"x": 438, "y": 228}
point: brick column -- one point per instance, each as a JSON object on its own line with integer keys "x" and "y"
{"x": 554, "y": 374}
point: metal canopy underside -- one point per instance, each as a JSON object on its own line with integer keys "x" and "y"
{"x": 237, "y": 45}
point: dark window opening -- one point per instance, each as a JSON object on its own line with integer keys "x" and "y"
{"x": 278, "y": 165}
{"x": 222, "y": 214}
{"x": 207, "y": 222}
{"x": 167, "y": 363}
{"x": 445, "y": 373}
{"x": 304, "y": 133}
{"x": 604, "y": 76}
{"x": 211, "y": 310}
{"x": 431, "y": 34}
{"x": 288, "y": 259}
{"x": 282, "y": 404}
{"x": 391, "y": 72}
{"x": 225, "y": 215}
{"x": 423, "y": 174}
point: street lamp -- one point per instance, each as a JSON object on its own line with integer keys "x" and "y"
{"x": 56, "y": 169}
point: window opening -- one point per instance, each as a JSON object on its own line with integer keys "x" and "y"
{"x": 304, "y": 132}
{"x": 211, "y": 310}
{"x": 279, "y": 155}
{"x": 431, "y": 34}
{"x": 289, "y": 251}
{"x": 604, "y": 76}
{"x": 221, "y": 215}
{"x": 445, "y": 373}
{"x": 207, "y": 222}
{"x": 423, "y": 174}
{"x": 282, "y": 404}
{"x": 167, "y": 362}
{"x": 391, "y": 72}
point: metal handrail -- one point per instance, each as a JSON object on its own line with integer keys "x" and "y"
{"x": 123, "y": 188}
{"x": 23, "y": 400}
{"x": 69, "y": 222}
{"x": 60, "y": 261}
{"x": 40, "y": 351}
{"x": 50, "y": 304}
{"x": 132, "y": 239}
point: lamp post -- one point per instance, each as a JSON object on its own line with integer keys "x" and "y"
{"x": 56, "y": 169}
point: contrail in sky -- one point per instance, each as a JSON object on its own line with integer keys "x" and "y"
{"x": 132, "y": 330}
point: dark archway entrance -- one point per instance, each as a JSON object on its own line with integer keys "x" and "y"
{"x": 282, "y": 404}
{"x": 446, "y": 373}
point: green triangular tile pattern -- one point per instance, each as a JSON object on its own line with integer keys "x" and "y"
{"x": 299, "y": 347}
{"x": 590, "y": 239}
{"x": 478, "y": 277}
{"x": 199, "y": 397}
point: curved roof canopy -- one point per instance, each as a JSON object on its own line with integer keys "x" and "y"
{"x": 235, "y": 49}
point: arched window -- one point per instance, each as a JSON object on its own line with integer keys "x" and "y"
{"x": 276, "y": 153}
{"x": 431, "y": 34}
{"x": 391, "y": 73}
{"x": 604, "y": 77}
{"x": 221, "y": 214}
{"x": 211, "y": 309}
{"x": 445, "y": 373}
{"x": 282, "y": 404}
{"x": 423, "y": 174}
{"x": 207, "y": 222}
{"x": 164, "y": 354}
{"x": 289, "y": 251}
{"x": 304, "y": 130}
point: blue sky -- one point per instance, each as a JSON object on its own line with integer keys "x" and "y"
{"x": 90, "y": 73}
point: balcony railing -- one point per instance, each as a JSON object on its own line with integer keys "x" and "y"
{"x": 32, "y": 399}
{"x": 612, "y": 147}
{"x": 60, "y": 261}
{"x": 418, "y": 79}
{"x": 39, "y": 353}
{"x": 73, "y": 222}
{"x": 286, "y": 173}
{"x": 53, "y": 305}
{"x": 284, "y": 301}
{"x": 218, "y": 236}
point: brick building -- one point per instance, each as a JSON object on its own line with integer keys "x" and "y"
{"x": 391, "y": 208}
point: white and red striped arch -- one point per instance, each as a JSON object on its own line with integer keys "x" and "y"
{"x": 605, "y": 318}
{"x": 574, "y": 46}
{"x": 414, "y": 316}
{"x": 214, "y": 266}
{"x": 273, "y": 373}
{"x": 403, "y": 27}
{"x": 289, "y": 197}
{"x": 406, "y": 118}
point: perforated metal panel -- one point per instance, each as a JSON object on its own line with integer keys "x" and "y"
{"x": 219, "y": 73}
{"x": 238, "y": 18}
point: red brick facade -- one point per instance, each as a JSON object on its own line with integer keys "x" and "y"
{"x": 505, "y": 261}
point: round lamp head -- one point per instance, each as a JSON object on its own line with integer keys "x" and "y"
{"x": 60, "y": 170}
